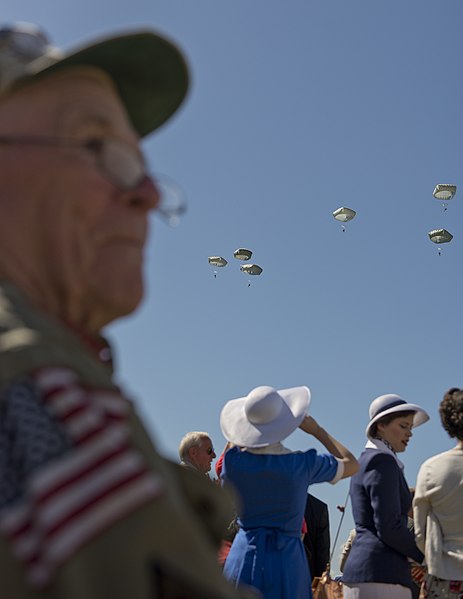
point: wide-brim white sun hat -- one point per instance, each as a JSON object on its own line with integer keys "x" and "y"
{"x": 264, "y": 416}
{"x": 390, "y": 404}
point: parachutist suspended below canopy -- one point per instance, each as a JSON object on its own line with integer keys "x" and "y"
{"x": 217, "y": 261}
{"x": 242, "y": 254}
{"x": 344, "y": 215}
{"x": 444, "y": 192}
{"x": 440, "y": 236}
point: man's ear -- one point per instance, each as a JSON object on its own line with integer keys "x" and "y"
{"x": 193, "y": 451}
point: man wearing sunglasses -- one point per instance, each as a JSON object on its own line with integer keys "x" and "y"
{"x": 88, "y": 508}
{"x": 196, "y": 451}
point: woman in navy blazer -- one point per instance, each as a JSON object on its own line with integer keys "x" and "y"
{"x": 378, "y": 566}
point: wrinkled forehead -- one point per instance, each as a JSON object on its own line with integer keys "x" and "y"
{"x": 63, "y": 101}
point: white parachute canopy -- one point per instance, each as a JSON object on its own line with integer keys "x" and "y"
{"x": 251, "y": 269}
{"x": 242, "y": 254}
{"x": 344, "y": 214}
{"x": 440, "y": 236}
{"x": 444, "y": 191}
{"x": 217, "y": 261}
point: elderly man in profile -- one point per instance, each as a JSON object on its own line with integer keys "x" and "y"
{"x": 196, "y": 451}
{"x": 88, "y": 508}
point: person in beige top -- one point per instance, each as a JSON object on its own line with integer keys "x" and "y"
{"x": 88, "y": 508}
{"x": 438, "y": 508}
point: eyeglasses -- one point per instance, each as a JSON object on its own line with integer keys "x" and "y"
{"x": 24, "y": 40}
{"x": 210, "y": 451}
{"x": 121, "y": 164}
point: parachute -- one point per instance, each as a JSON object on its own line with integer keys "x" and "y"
{"x": 242, "y": 254}
{"x": 444, "y": 191}
{"x": 344, "y": 215}
{"x": 217, "y": 261}
{"x": 251, "y": 269}
{"x": 440, "y": 236}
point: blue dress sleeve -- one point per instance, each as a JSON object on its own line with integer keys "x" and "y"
{"x": 323, "y": 467}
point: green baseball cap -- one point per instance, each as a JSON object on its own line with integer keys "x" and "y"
{"x": 149, "y": 71}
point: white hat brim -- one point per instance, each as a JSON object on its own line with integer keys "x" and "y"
{"x": 420, "y": 417}
{"x": 237, "y": 429}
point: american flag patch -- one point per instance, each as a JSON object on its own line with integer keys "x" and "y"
{"x": 70, "y": 495}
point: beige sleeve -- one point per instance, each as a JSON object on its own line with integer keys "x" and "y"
{"x": 346, "y": 549}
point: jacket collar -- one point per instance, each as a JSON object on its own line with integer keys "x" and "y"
{"x": 380, "y": 446}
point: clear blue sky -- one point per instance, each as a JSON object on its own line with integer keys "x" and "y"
{"x": 298, "y": 108}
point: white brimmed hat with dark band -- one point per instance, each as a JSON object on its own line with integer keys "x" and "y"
{"x": 390, "y": 404}
{"x": 150, "y": 72}
{"x": 264, "y": 416}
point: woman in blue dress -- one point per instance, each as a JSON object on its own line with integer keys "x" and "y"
{"x": 271, "y": 482}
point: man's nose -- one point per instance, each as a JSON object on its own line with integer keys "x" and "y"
{"x": 146, "y": 196}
